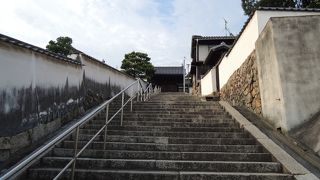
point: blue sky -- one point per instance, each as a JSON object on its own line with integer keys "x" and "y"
{"x": 107, "y": 29}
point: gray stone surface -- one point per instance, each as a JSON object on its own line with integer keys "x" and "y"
{"x": 168, "y": 143}
{"x": 242, "y": 88}
{"x": 288, "y": 162}
{"x": 288, "y": 60}
{"x": 309, "y": 134}
{"x": 308, "y": 176}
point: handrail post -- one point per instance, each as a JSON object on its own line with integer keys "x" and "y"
{"x": 131, "y": 105}
{"x": 147, "y": 93}
{"x": 122, "y": 109}
{"x": 105, "y": 130}
{"x": 75, "y": 153}
{"x": 150, "y": 88}
{"x": 138, "y": 90}
{"x": 141, "y": 95}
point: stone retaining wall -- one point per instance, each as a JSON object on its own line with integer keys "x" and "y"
{"x": 242, "y": 88}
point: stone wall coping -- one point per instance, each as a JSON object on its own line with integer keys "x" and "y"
{"x": 289, "y": 163}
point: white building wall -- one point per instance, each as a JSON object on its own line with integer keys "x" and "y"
{"x": 264, "y": 16}
{"x": 37, "y": 88}
{"x": 241, "y": 50}
{"x": 203, "y": 52}
{"x": 246, "y": 42}
{"x": 21, "y": 68}
{"x": 208, "y": 83}
{"x": 289, "y": 77}
{"x": 103, "y": 74}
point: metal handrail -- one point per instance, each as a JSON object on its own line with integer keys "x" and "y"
{"x": 40, "y": 152}
{"x": 146, "y": 92}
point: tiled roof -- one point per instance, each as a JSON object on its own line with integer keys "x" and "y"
{"x": 169, "y": 70}
{"x": 211, "y": 37}
{"x": 217, "y": 47}
{"x": 215, "y": 54}
{"x": 269, "y": 9}
{"x": 209, "y": 40}
{"x": 33, "y": 48}
{"x": 288, "y": 9}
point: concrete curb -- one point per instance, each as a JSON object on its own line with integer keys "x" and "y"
{"x": 289, "y": 163}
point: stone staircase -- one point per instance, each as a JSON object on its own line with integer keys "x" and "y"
{"x": 173, "y": 136}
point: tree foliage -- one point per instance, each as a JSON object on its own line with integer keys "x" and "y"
{"x": 137, "y": 64}
{"x": 308, "y": 3}
{"x": 249, "y": 6}
{"x": 61, "y": 46}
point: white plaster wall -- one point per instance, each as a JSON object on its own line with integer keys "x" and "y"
{"x": 299, "y": 67}
{"x": 245, "y": 44}
{"x": 289, "y": 77}
{"x": 240, "y": 52}
{"x": 203, "y": 52}
{"x": 269, "y": 79}
{"x": 264, "y": 16}
{"x": 20, "y": 68}
{"x": 100, "y": 73}
{"x": 208, "y": 83}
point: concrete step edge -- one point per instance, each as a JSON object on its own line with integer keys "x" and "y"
{"x": 121, "y": 171}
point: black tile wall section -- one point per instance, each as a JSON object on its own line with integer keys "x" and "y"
{"x": 24, "y": 108}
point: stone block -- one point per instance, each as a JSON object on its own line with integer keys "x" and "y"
{"x": 5, "y": 143}
{"x": 4, "y": 154}
{"x": 20, "y": 140}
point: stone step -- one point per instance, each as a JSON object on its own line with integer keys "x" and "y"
{"x": 174, "y": 107}
{"x": 99, "y": 123}
{"x": 169, "y": 102}
{"x": 179, "y": 140}
{"x": 168, "y": 108}
{"x": 170, "y": 120}
{"x": 169, "y": 137}
{"x": 168, "y": 165}
{"x": 94, "y": 128}
{"x": 172, "y": 116}
{"x": 162, "y": 111}
{"x": 222, "y": 145}
{"x": 152, "y": 108}
{"x": 173, "y": 104}
{"x": 168, "y": 115}
{"x": 172, "y": 140}
{"x": 166, "y": 155}
{"x": 170, "y": 134}
{"x": 124, "y": 174}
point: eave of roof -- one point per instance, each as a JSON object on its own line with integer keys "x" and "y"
{"x": 268, "y": 9}
{"x": 216, "y": 51}
{"x": 169, "y": 70}
{"x": 33, "y": 48}
{"x": 211, "y": 37}
{"x": 208, "y": 38}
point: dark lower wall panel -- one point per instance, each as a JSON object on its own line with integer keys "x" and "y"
{"x": 36, "y": 112}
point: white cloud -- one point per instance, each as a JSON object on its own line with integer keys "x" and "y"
{"x": 107, "y": 29}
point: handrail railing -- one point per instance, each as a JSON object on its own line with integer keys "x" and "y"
{"x": 40, "y": 152}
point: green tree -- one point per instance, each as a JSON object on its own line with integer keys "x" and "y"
{"x": 249, "y": 6}
{"x": 308, "y": 3}
{"x": 61, "y": 46}
{"x": 137, "y": 64}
